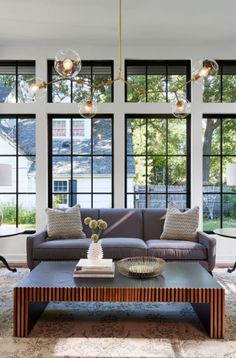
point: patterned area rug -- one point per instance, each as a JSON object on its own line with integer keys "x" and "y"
{"x": 68, "y": 330}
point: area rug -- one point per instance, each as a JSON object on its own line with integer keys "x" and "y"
{"x": 128, "y": 330}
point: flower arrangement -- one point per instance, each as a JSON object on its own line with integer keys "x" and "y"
{"x": 96, "y": 226}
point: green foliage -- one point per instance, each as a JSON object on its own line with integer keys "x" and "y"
{"x": 25, "y": 216}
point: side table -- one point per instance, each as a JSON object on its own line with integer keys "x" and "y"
{"x": 227, "y": 232}
{"x": 6, "y": 232}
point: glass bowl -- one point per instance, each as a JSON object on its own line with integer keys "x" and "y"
{"x": 141, "y": 266}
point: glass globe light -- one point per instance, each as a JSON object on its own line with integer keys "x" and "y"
{"x": 181, "y": 108}
{"x": 205, "y": 69}
{"x": 38, "y": 88}
{"x": 67, "y": 63}
{"x": 88, "y": 108}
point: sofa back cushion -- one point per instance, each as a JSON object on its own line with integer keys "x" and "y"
{"x": 92, "y": 213}
{"x": 122, "y": 222}
{"x": 153, "y": 223}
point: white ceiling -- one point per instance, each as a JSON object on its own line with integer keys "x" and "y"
{"x": 95, "y": 21}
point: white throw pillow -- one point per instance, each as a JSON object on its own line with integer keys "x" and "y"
{"x": 65, "y": 224}
{"x": 181, "y": 225}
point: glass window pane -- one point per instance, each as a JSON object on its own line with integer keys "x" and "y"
{"x": 212, "y": 90}
{"x": 156, "y": 83}
{"x": 156, "y": 200}
{"x": 26, "y": 211}
{"x": 85, "y": 200}
{"x": 228, "y": 88}
{"x": 156, "y": 174}
{"x": 102, "y": 136}
{"x": 211, "y": 174}
{"x": 102, "y": 174}
{"x": 211, "y": 136}
{"x": 177, "y": 136}
{"x": 12, "y": 185}
{"x": 82, "y": 91}
{"x": 61, "y": 90}
{"x": 8, "y": 207}
{"x": 139, "y": 177}
{"x": 229, "y": 210}
{"x": 61, "y": 141}
{"x": 225, "y": 162}
{"x": 102, "y": 200}
{"x": 7, "y": 88}
{"x": 24, "y": 91}
{"x": 211, "y": 211}
{"x": 177, "y": 174}
{"x": 179, "y": 200}
{"x": 60, "y": 201}
{"x": 81, "y": 136}
{"x": 82, "y": 173}
{"x": 176, "y": 81}
{"x": 156, "y": 136}
{"x": 136, "y": 200}
{"x": 26, "y": 136}
{"x": 228, "y": 136}
{"x": 136, "y": 136}
{"x": 8, "y": 136}
{"x": 26, "y": 174}
{"x": 102, "y": 94}
{"x": 136, "y": 81}
{"x": 61, "y": 168}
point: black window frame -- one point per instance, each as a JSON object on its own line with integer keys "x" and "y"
{"x": 166, "y": 64}
{"x": 187, "y": 155}
{"x": 221, "y": 193}
{"x": 17, "y": 156}
{"x": 17, "y": 64}
{"x": 221, "y": 64}
{"x": 90, "y": 63}
{"x": 71, "y": 155}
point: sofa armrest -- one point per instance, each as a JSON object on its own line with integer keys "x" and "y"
{"x": 210, "y": 243}
{"x": 33, "y": 241}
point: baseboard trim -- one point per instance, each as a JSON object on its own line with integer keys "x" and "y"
{"x": 16, "y": 258}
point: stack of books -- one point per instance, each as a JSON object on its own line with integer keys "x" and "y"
{"x": 98, "y": 268}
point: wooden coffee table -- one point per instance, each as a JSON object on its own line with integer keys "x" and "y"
{"x": 180, "y": 282}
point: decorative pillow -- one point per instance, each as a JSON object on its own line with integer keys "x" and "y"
{"x": 63, "y": 224}
{"x": 181, "y": 225}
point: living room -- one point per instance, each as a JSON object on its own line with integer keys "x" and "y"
{"x": 158, "y": 134}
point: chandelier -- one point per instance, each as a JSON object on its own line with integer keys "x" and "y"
{"x": 67, "y": 64}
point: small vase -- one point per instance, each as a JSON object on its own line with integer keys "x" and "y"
{"x": 95, "y": 251}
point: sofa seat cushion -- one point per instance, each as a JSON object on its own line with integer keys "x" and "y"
{"x": 122, "y": 247}
{"x": 68, "y": 249}
{"x": 176, "y": 250}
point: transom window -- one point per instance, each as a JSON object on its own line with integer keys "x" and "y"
{"x": 15, "y": 80}
{"x": 223, "y": 86}
{"x": 81, "y": 166}
{"x": 156, "y": 76}
{"x": 157, "y": 161}
{"x": 219, "y": 149}
{"x": 17, "y": 148}
{"x": 92, "y": 72}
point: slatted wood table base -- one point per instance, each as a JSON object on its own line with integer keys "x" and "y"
{"x": 29, "y": 302}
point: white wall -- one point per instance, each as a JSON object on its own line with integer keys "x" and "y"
{"x": 15, "y": 247}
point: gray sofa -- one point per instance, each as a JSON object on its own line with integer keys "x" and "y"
{"x": 130, "y": 232}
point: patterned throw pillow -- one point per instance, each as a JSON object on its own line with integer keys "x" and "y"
{"x": 65, "y": 224}
{"x": 181, "y": 225}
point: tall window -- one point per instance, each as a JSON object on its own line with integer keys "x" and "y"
{"x": 92, "y": 72}
{"x": 17, "y": 148}
{"x": 223, "y": 87}
{"x": 15, "y": 80}
{"x": 156, "y": 75}
{"x": 157, "y": 161}
{"x": 81, "y": 161}
{"x": 219, "y": 149}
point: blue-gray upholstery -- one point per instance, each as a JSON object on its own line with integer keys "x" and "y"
{"x": 130, "y": 232}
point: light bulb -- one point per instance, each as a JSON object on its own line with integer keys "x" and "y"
{"x": 88, "y": 108}
{"x": 34, "y": 88}
{"x": 205, "y": 69}
{"x": 181, "y": 108}
{"x": 37, "y": 87}
{"x": 67, "y": 64}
